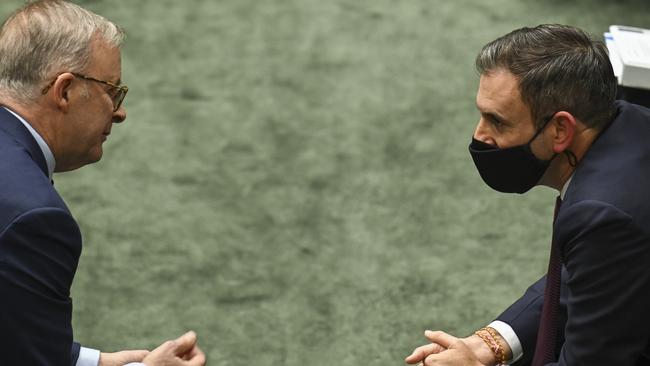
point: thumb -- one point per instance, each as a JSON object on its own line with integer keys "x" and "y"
{"x": 422, "y": 352}
{"x": 184, "y": 343}
{"x": 441, "y": 338}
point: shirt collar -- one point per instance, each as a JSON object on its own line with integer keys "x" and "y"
{"x": 565, "y": 187}
{"x": 47, "y": 153}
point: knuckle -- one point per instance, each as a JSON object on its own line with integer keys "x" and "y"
{"x": 428, "y": 361}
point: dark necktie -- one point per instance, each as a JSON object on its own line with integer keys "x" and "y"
{"x": 545, "y": 347}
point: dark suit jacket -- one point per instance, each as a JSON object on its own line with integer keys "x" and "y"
{"x": 603, "y": 228}
{"x": 40, "y": 244}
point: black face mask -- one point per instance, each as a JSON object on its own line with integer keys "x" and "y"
{"x": 512, "y": 170}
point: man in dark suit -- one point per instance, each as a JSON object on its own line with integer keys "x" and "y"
{"x": 60, "y": 93}
{"x": 549, "y": 117}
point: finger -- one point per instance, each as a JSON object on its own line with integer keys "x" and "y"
{"x": 440, "y": 338}
{"x": 423, "y": 351}
{"x": 430, "y": 360}
{"x": 197, "y": 359}
{"x": 458, "y": 353}
{"x": 440, "y": 359}
{"x": 166, "y": 347}
{"x": 190, "y": 354}
{"x": 184, "y": 343}
{"x": 194, "y": 352}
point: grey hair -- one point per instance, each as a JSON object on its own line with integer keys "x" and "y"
{"x": 559, "y": 68}
{"x": 46, "y": 37}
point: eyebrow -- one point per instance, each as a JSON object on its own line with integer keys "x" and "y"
{"x": 494, "y": 115}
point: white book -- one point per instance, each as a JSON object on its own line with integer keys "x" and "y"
{"x": 629, "y": 52}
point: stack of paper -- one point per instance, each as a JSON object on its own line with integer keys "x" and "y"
{"x": 629, "y": 52}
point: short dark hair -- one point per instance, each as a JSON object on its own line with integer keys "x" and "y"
{"x": 559, "y": 68}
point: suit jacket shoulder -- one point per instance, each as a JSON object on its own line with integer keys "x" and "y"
{"x": 24, "y": 184}
{"x": 615, "y": 169}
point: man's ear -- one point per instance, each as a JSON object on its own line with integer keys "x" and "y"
{"x": 59, "y": 93}
{"x": 564, "y": 129}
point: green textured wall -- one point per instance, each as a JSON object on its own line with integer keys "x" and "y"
{"x": 293, "y": 182}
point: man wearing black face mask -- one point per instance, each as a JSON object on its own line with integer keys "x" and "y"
{"x": 548, "y": 117}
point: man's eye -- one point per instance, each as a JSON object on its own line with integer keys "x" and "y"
{"x": 495, "y": 121}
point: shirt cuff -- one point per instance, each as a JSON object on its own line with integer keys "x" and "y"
{"x": 88, "y": 357}
{"x": 511, "y": 338}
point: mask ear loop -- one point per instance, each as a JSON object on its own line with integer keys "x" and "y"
{"x": 571, "y": 157}
{"x": 546, "y": 120}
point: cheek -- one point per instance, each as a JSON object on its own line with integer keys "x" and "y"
{"x": 100, "y": 121}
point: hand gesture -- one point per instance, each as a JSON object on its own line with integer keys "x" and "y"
{"x": 182, "y": 351}
{"x": 444, "y": 350}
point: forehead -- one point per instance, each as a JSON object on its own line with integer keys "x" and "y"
{"x": 105, "y": 61}
{"x": 498, "y": 92}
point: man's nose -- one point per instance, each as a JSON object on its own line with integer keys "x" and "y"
{"x": 483, "y": 132}
{"x": 119, "y": 115}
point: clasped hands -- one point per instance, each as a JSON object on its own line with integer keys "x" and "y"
{"x": 447, "y": 350}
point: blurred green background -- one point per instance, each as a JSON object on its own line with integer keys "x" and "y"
{"x": 293, "y": 181}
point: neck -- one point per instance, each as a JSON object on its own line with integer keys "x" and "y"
{"x": 38, "y": 118}
{"x": 561, "y": 169}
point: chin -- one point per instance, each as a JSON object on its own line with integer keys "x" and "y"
{"x": 95, "y": 155}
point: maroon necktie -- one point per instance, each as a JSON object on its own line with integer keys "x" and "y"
{"x": 545, "y": 347}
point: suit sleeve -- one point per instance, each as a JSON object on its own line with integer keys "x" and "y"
{"x": 523, "y": 316}
{"x": 39, "y": 252}
{"x": 607, "y": 258}
{"x": 74, "y": 353}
